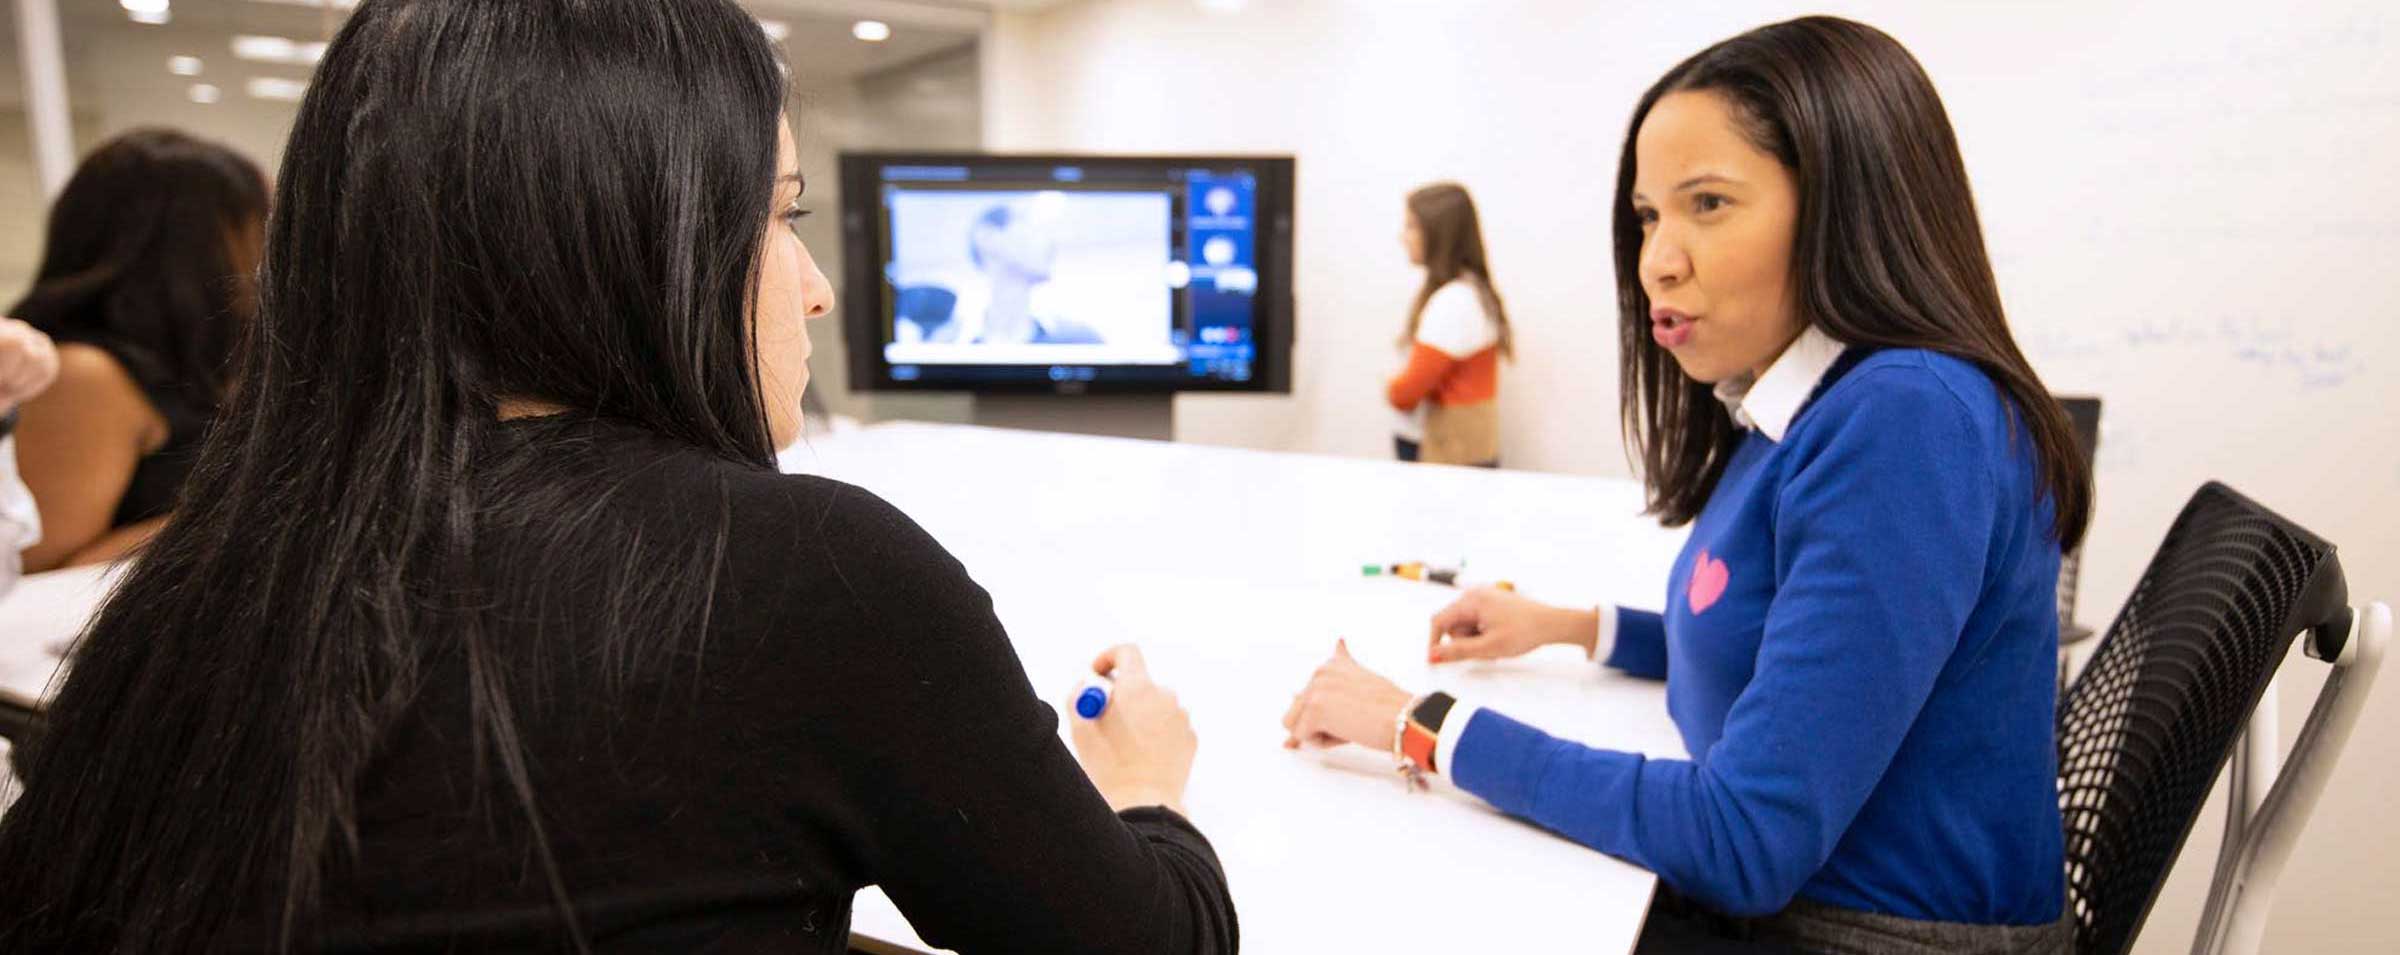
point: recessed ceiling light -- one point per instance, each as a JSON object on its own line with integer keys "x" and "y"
{"x": 776, "y": 29}
{"x": 276, "y": 88}
{"x": 872, "y": 31}
{"x": 145, "y": 11}
{"x": 276, "y": 49}
{"x": 183, "y": 65}
{"x": 206, "y": 93}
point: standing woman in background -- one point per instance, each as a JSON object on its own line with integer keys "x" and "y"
{"x": 147, "y": 278}
{"x": 1448, "y": 393}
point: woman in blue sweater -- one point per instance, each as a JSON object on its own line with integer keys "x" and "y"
{"x": 1859, "y": 638}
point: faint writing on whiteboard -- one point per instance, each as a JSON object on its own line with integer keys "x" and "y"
{"x": 2316, "y": 367}
{"x": 2309, "y": 361}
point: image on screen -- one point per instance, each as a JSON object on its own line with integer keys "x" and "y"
{"x": 984, "y": 276}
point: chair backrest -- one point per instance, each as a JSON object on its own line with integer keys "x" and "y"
{"x": 2153, "y": 718}
{"x": 2084, "y": 415}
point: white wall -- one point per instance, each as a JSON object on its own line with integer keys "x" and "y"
{"x": 2190, "y": 208}
{"x": 932, "y": 104}
{"x": 112, "y": 88}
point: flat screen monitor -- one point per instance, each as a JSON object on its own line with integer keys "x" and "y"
{"x": 1067, "y": 274}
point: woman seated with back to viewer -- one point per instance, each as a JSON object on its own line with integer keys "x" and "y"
{"x": 496, "y": 627}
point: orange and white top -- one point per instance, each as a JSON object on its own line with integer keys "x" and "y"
{"x": 1454, "y": 361}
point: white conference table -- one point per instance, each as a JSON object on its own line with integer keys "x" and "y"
{"x": 40, "y": 618}
{"x": 1235, "y": 571}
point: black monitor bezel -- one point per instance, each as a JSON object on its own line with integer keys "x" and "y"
{"x": 864, "y": 292}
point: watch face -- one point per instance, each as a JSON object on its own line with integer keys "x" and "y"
{"x": 1431, "y": 712}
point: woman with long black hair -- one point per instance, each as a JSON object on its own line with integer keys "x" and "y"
{"x": 1860, "y": 637}
{"x": 495, "y": 627}
{"x": 149, "y": 273}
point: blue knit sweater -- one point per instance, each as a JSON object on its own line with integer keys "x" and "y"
{"x": 1859, "y": 646}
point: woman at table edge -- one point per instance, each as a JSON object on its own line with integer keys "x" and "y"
{"x": 1860, "y": 634}
{"x": 497, "y": 627}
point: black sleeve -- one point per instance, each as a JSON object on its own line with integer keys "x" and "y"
{"x": 971, "y": 813}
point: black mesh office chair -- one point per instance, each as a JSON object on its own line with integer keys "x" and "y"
{"x": 2167, "y": 700}
{"x": 2084, "y": 415}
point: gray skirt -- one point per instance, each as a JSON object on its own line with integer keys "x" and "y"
{"x": 1826, "y": 929}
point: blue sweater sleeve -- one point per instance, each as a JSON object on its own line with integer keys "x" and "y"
{"x": 1881, "y": 537}
{"x": 1641, "y": 645}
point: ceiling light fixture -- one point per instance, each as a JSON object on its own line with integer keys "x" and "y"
{"x": 276, "y": 88}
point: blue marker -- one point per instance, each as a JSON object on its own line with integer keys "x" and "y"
{"x": 1091, "y": 699}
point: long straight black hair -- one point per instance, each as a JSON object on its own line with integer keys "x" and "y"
{"x": 1888, "y": 251}
{"x": 152, "y": 253}
{"x": 559, "y": 200}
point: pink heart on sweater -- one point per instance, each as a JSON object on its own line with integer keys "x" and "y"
{"x": 1709, "y": 576}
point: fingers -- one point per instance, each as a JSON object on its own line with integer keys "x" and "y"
{"x": 1304, "y": 724}
{"x": 1090, "y": 742}
{"x": 28, "y": 362}
{"x": 1466, "y": 648}
{"x": 1122, "y": 663}
{"x": 1464, "y": 616}
{"x": 1303, "y": 721}
{"x": 16, "y": 365}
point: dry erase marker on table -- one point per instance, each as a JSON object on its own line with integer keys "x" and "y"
{"x": 1412, "y": 570}
{"x": 1091, "y": 698}
{"x": 1418, "y": 570}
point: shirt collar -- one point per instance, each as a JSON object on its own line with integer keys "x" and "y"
{"x": 1768, "y": 402}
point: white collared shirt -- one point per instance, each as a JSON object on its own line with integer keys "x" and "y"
{"x": 1769, "y": 402}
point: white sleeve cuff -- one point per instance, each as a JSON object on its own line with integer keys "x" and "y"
{"x": 20, "y": 519}
{"x": 1453, "y": 727}
{"x": 1605, "y": 642}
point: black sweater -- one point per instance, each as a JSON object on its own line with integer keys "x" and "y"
{"x": 854, "y": 715}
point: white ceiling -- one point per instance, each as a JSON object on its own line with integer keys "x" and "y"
{"x": 107, "y": 53}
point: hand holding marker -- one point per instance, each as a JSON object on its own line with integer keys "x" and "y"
{"x": 1140, "y": 752}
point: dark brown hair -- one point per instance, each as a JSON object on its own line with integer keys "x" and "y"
{"x": 1888, "y": 251}
{"x": 1453, "y": 237}
{"x": 153, "y": 253}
